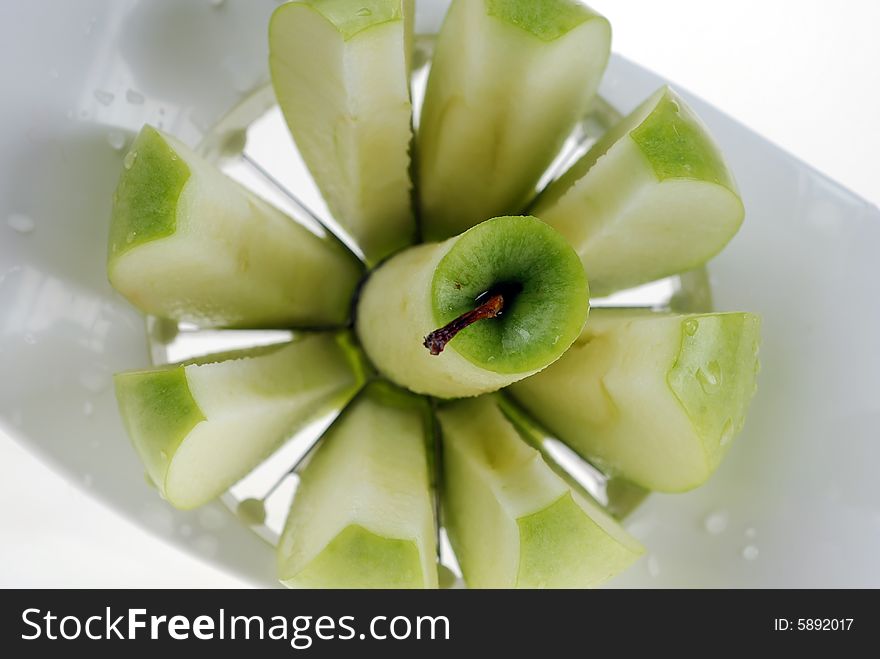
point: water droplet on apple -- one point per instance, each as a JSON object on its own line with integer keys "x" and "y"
{"x": 709, "y": 377}
{"x": 364, "y": 11}
{"x": 104, "y": 97}
{"x": 251, "y": 511}
{"x": 716, "y": 522}
{"x": 130, "y": 157}
{"x": 116, "y": 140}
{"x": 727, "y": 433}
{"x": 690, "y": 326}
{"x": 134, "y": 97}
{"x": 750, "y": 552}
{"x": 21, "y": 223}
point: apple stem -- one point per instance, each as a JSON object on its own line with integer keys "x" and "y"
{"x": 436, "y": 341}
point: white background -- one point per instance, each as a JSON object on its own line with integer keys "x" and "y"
{"x": 802, "y": 74}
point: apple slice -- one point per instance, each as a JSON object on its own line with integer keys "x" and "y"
{"x": 509, "y": 80}
{"x": 340, "y": 69}
{"x": 519, "y": 260}
{"x": 512, "y": 520}
{"x": 652, "y": 198}
{"x": 653, "y": 398}
{"x": 189, "y": 244}
{"x": 201, "y": 426}
{"x": 363, "y": 515}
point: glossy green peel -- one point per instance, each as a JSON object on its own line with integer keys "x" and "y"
{"x": 678, "y": 146}
{"x": 546, "y": 19}
{"x": 547, "y": 312}
{"x": 145, "y": 201}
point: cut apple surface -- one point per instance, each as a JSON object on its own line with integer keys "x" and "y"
{"x": 427, "y": 287}
{"x": 511, "y": 519}
{"x": 363, "y": 515}
{"x": 189, "y": 244}
{"x": 653, "y": 398}
{"x": 200, "y": 427}
{"x": 653, "y": 197}
{"x": 509, "y": 80}
{"x": 340, "y": 69}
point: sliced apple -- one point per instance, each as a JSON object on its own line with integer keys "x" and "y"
{"x": 653, "y": 398}
{"x": 509, "y": 80}
{"x": 512, "y": 520}
{"x": 201, "y": 426}
{"x": 651, "y": 198}
{"x": 363, "y": 515}
{"x": 340, "y": 69}
{"x": 189, "y": 244}
{"x": 425, "y": 288}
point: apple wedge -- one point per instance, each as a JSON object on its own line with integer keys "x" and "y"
{"x": 653, "y": 398}
{"x": 201, "y": 426}
{"x": 512, "y": 520}
{"x": 189, "y": 244}
{"x": 509, "y": 80}
{"x": 653, "y": 197}
{"x": 340, "y": 69}
{"x": 363, "y": 515}
{"x": 418, "y": 296}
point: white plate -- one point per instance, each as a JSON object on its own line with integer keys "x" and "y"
{"x": 799, "y": 486}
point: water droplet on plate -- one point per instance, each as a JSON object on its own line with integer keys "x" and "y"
{"x": 116, "y": 140}
{"x": 104, "y": 97}
{"x": 690, "y": 326}
{"x": 716, "y": 523}
{"x": 364, "y": 11}
{"x": 134, "y": 97}
{"x": 709, "y": 377}
{"x": 21, "y": 223}
{"x": 750, "y": 552}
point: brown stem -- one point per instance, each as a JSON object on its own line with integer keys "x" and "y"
{"x": 437, "y": 340}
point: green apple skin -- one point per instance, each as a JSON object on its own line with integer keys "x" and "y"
{"x": 654, "y": 399}
{"x": 363, "y": 515}
{"x": 340, "y": 69}
{"x": 512, "y": 520}
{"x": 189, "y": 244}
{"x": 201, "y": 426}
{"x": 424, "y": 288}
{"x": 509, "y": 79}
{"x": 652, "y": 198}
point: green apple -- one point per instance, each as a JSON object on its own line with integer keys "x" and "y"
{"x": 436, "y": 285}
{"x": 512, "y": 520}
{"x": 189, "y": 244}
{"x": 653, "y": 398}
{"x": 340, "y": 69}
{"x": 508, "y": 82}
{"x": 201, "y": 426}
{"x": 653, "y": 197}
{"x": 363, "y": 514}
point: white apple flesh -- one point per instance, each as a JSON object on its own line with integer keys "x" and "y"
{"x": 340, "y": 69}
